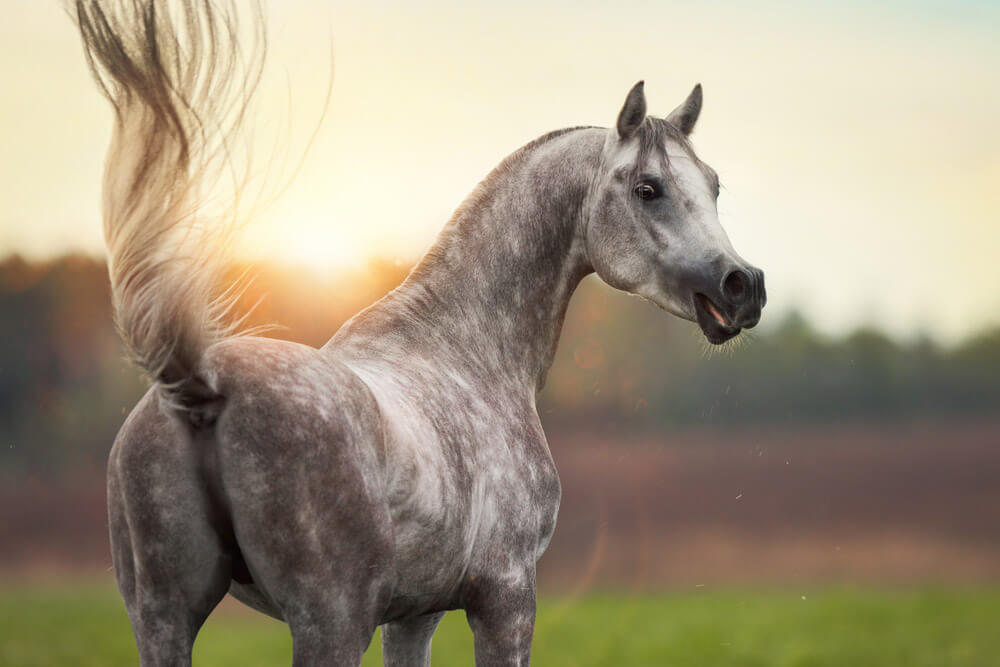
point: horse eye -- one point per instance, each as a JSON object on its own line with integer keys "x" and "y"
{"x": 645, "y": 191}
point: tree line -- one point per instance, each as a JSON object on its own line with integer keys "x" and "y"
{"x": 621, "y": 365}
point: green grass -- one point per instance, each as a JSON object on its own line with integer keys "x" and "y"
{"x": 84, "y": 624}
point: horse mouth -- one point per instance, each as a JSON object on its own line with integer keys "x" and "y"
{"x": 714, "y": 323}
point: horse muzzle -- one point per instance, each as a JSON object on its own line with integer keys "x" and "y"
{"x": 724, "y": 308}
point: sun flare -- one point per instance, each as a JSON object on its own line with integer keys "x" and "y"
{"x": 312, "y": 241}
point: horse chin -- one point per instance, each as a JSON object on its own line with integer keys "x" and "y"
{"x": 707, "y": 315}
{"x": 718, "y": 338}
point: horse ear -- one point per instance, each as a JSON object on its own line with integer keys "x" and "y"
{"x": 686, "y": 115}
{"x": 633, "y": 113}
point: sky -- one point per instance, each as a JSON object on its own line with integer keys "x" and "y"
{"x": 857, "y": 143}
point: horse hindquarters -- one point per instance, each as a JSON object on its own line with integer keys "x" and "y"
{"x": 170, "y": 560}
{"x": 299, "y": 447}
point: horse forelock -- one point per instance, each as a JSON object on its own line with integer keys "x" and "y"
{"x": 654, "y": 135}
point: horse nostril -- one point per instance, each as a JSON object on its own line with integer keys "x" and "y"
{"x": 761, "y": 292}
{"x": 735, "y": 286}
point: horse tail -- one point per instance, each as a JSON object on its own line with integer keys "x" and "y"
{"x": 180, "y": 82}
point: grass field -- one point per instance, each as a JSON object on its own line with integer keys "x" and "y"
{"x": 86, "y": 625}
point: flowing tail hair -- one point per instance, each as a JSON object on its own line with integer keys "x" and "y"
{"x": 180, "y": 79}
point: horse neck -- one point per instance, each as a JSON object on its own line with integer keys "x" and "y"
{"x": 490, "y": 295}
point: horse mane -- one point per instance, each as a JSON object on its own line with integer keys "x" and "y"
{"x": 478, "y": 197}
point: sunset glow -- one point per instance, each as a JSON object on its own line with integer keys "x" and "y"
{"x": 857, "y": 144}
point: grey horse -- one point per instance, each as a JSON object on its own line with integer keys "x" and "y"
{"x": 401, "y": 470}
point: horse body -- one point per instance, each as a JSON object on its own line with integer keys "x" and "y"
{"x": 401, "y": 470}
{"x": 409, "y": 446}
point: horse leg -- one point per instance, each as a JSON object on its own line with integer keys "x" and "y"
{"x": 319, "y": 639}
{"x": 169, "y": 562}
{"x": 331, "y": 617}
{"x": 316, "y": 542}
{"x": 330, "y": 590}
{"x": 407, "y": 643}
{"x": 502, "y": 618}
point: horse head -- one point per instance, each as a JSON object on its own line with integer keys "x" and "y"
{"x": 652, "y": 223}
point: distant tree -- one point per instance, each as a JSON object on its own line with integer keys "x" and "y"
{"x": 621, "y": 364}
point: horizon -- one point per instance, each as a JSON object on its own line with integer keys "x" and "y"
{"x": 793, "y": 314}
{"x": 857, "y": 145}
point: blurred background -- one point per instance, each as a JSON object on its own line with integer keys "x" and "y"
{"x": 833, "y": 479}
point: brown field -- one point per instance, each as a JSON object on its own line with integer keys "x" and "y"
{"x": 854, "y": 504}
